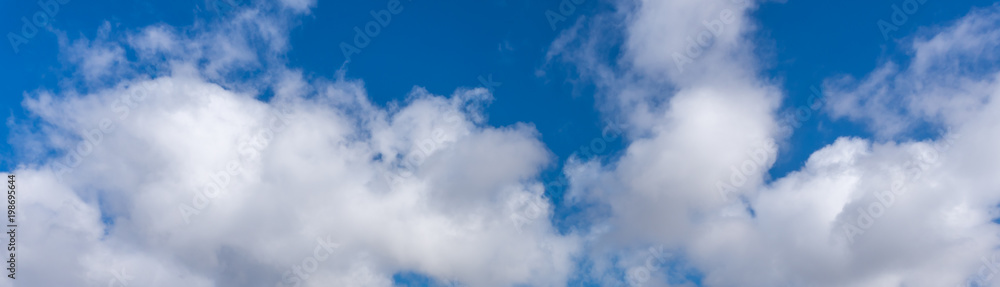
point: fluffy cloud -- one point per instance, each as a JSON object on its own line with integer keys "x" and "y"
{"x": 186, "y": 178}
{"x": 181, "y": 175}
{"x": 948, "y": 80}
{"x": 860, "y": 212}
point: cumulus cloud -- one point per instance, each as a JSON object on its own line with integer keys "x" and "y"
{"x": 184, "y": 177}
{"x": 861, "y": 212}
{"x": 170, "y": 171}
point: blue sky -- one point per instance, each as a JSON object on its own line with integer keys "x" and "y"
{"x": 558, "y": 87}
{"x": 444, "y": 45}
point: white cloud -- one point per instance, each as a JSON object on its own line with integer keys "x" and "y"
{"x": 324, "y": 174}
{"x": 948, "y": 79}
{"x": 97, "y": 59}
{"x": 691, "y": 129}
{"x": 424, "y": 186}
{"x": 299, "y": 6}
